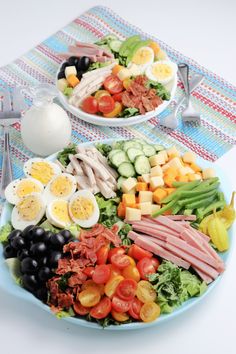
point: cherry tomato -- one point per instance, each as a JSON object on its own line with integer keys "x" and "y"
{"x": 120, "y": 305}
{"x": 127, "y": 82}
{"x": 111, "y": 285}
{"x": 150, "y": 311}
{"x": 145, "y": 267}
{"x": 145, "y": 291}
{"x": 88, "y": 271}
{"x": 80, "y": 309}
{"x": 117, "y": 97}
{"x": 89, "y": 297}
{"x": 120, "y": 316}
{"x": 126, "y": 289}
{"x": 101, "y": 274}
{"x": 90, "y": 284}
{"x": 90, "y": 105}
{"x": 102, "y": 254}
{"x": 116, "y": 111}
{"x": 102, "y": 309}
{"x": 155, "y": 263}
{"x": 101, "y": 93}
{"x": 135, "y": 308}
{"x": 138, "y": 253}
{"x": 120, "y": 260}
{"x": 131, "y": 272}
{"x": 115, "y": 250}
{"x": 106, "y": 104}
{"x": 114, "y": 271}
{"x": 113, "y": 84}
{"x": 132, "y": 261}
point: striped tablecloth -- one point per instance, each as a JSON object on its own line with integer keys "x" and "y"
{"x": 215, "y": 98}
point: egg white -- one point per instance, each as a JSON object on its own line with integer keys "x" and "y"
{"x": 49, "y": 195}
{"x": 163, "y": 81}
{"x": 54, "y": 219}
{"x": 11, "y": 190}
{"x": 28, "y": 166}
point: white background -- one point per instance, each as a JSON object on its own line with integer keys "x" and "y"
{"x": 204, "y": 30}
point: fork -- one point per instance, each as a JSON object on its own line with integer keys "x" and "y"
{"x": 189, "y": 114}
{"x": 11, "y": 112}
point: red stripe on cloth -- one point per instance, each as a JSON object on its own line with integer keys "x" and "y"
{"x": 89, "y": 27}
{"x": 48, "y": 53}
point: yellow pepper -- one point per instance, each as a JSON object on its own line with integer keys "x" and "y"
{"x": 218, "y": 233}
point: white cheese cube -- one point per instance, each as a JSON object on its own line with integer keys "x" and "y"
{"x": 189, "y": 157}
{"x": 62, "y": 84}
{"x": 132, "y": 214}
{"x": 124, "y": 74}
{"x": 156, "y": 182}
{"x": 185, "y": 170}
{"x": 128, "y": 184}
{"x": 146, "y": 208}
{"x": 156, "y": 171}
{"x": 158, "y": 159}
{"x": 164, "y": 154}
{"x": 145, "y": 196}
{"x": 175, "y": 162}
{"x": 146, "y": 178}
{"x": 155, "y": 207}
{"x": 70, "y": 70}
{"x": 173, "y": 152}
{"x": 132, "y": 191}
{"x": 197, "y": 177}
{"x": 208, "y": 173}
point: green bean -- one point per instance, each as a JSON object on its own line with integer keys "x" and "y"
{"x": 188, "y": 211}
{"x": 179, "y": 184}
{"x": 183, "y": 202}
{"x": 217, "y": 205}
{"x": 221, "y": 196}
{"x": 186, "y": 186}
{"x": 201, "y": 203}
{"x": 165, "y": 208}
{"x": 196, "y": 193}
{"x": 176, "y": 209}
{"x": 206, "y": 183}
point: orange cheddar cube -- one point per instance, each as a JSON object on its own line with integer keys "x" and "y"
{"x": 129, "y": 200}
{"x": 72, "y": 80}
{"x": 141, "y": 186}
{"x": 159, "y": 194}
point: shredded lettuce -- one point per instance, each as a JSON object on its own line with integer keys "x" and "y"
{"x": 175, "y": 285}
{"x": 63, "y": 313}
{"x": 68, "y": 91}
{"x": 4, "y": 232}
{"x": 63, "y": 156}
{"x": 129, "y": 112}
{"x": 161, "y": 91}
{"x": 108, "y": 210}
{"x": 74, "y": 228}
{"x": 104, "y": 148}
{"x": 98, "y": 65}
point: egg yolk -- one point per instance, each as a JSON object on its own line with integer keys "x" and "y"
{"x": 60, "y": 211}
{"x": 142, "y": 56}
{"x": 61, "y": 186}
{"x": 162, "y": 71}
{"x": 42, "y": 171}
{"x": 26, "y": 187}
{"x": 82, "y": 208}
{"x": 29, "y": 208}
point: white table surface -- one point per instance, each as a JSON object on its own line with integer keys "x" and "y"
{"x": 203, "y": 30}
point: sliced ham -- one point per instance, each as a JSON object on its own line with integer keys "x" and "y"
{"x": 182, "y": 217}
{"x": 204, "y": 276}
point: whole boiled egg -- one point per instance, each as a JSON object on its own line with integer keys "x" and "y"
{"x": 28, "y": 211}
{"x": 57, "y": 213}
{"x": 19, "y": 188}
{"x": 142, "y": 58}
{"x": 83, "y": 208}
{"x": 161, "y": 71}
{"x": 41, "y": 169}
{"x": 62, "y": 186}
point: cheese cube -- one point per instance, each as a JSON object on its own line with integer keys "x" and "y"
{"x": 164, "y": 154}
{"x": 128, "y": 184}
{"x": 155, "y": 208}
{"x": 146, "y": 208}
{"x": 156, "y": 182}
{"x": 197, "y": 177}
{"x": 124, "y": 74}
{"x": 185, "y": 170}
{"x": 132, "y": 214}
{"x": 146, "y": 178}
{"x": 70, "y": 70}
{"x": 145, "y": 196}
{"x": 132, "y": 191}
{"x": 173, "y": 152}
{"x": 208, "y": 173}
{"x": 158, "y": 159}
{"x": 189, "y": 157}
{"x": 175, "y": 162}
{"x": 156, "y": 171}
{"x": 62, "y": 84}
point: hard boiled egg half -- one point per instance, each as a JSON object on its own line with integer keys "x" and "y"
{"x": 57, "y": 213}
{"x": 60, "y": 187}
{"x": 142, "y": 58}
{"x": 19, "y": 188}
{"x": 41, "y": 169}
{"x": 83, "y": 208}
{"x": 161, "y": 71}
{"x": 28, "y": 211}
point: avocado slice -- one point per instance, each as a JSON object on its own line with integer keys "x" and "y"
{"x": 134, "y": 49}
{"x": 124, "y": 49}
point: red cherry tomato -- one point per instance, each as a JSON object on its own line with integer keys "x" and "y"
{"x": 155, "y": 263}
{"x": 80, "y": 309}
{"x": 138, "y": 253}
{"x": 115, "y": 250}
{"x": 145, "y": 267}
{"x": 113, "y": 84}
{"x": 135, "y": 308}
{"x": 90, "y": 105}
{"x": 101, "y": 274}
{"x": 89, "y": 271}
{"x": 120, "y": 260}
{"x": 106, "y": 104}
{"x": 120, "y": 305}
{"x": 126, "y": 289}
{"x": 102, "y": 254}
{"x": 102, "y": 309}
{"x": 117, "y": 97}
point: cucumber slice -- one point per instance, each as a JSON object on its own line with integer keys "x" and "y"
{"x": 158, "y": 147}
{"x": 110, "y": 37}
{"x": 149, "y": 150}
{"x": 118, "y": 144}
{"x": 126, "y": 169}
{"x": 142, "y": 165}
{"x": 115, "y": 45}
{"x": 133, "y": 153}
{"x": 140, "y": 141}
{"x": 133, "y": 144}
{"x": 113, "y": 152}
{"x": 118, "y": 158}
{"x": 120, "y": 182}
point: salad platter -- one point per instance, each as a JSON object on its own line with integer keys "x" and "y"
{"x": 116, "y": 234}
{"x": 116, "y": 83}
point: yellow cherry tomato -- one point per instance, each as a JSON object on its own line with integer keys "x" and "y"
{"x": 150, "y": 311}
{"x": 119, "y": 316}
{"x": 111, "y": 285}
{"x": 145, "y": 291}
{"x": 132, "y": 261}
{"x": 155, "y": 47}
{"x": 115, "y": 112}
{"x": 90, "y": 284}
{"x": 89, "y": 297}
{"x": 101, "y": 93}
{"x": 127, "y": 82}
{"x": 116, "y": 69}
{"x": 131, "y": 272}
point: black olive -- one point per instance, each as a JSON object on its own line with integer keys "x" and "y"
{"x": 66, "y": 234}
{"x": 61, "y": 75}
{"x": 30, "y": 282}
{"x": 64, "y": 65}
{"x": 42, "y": 294}
{"x": 29, "y": 265}
{"x": 84, "y": 63}
{"x": 38, "y": 234}
{"x": 38, "y": 249}
{"x": 18, "y": 242}
{"x": 9, "y": 251}
{"x": 73, "y": 61}
{"x": 47, "y": 236}
{"x": 14, "y": 234}
{"x": 79, "y": 74}
{"x": 54, "y": 258}
{"x": 21, "y": 254}
{"x": 57, "y": 241}
{"x": 43, "y": 261}
{"x": 27, "y": 233}
{"x": 44, "y": 273}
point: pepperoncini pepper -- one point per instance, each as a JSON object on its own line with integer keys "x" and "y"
{"x": 218, "y": 233}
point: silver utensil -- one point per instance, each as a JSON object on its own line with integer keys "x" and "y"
{"x": 11, "y": 112}
{"x": 171, "y": 121}
{"x": 189, "y": 114}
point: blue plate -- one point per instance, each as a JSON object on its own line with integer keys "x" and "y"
{"x": 7, "y": 282}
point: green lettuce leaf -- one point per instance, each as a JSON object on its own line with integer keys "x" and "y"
{"x": 4, "y": 232}
{"x": 104, "y": 148}
{"x": 63, "y": 156}
{"x": 129, "y": 112}
{"x": 161, "y": 91}
{"x": 64, "y": 313}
